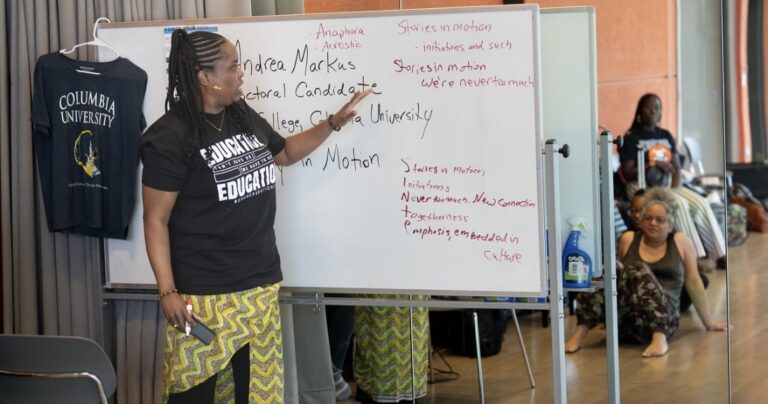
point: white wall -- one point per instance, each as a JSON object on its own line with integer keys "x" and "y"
{"x": 700, "y": 72}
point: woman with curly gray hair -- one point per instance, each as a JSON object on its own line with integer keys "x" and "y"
{"x": 656, "y": 262}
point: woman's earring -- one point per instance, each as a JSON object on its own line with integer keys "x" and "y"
{"x": 216, "y": 87}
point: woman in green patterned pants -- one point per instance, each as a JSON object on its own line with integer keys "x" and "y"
{"x": 382, "y": 358}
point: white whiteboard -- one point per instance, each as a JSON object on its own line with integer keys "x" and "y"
{"x": 459, "y": 146}
{"x": 569, "y": 95}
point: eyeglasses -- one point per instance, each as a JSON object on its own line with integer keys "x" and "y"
{"x": 657, "y": 219}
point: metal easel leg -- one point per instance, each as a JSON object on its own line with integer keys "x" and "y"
{"x": 479, "y": 358}
{"x": 522, "y": 349}
{"x": 413, "y": 361}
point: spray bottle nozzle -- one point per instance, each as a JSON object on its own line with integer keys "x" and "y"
{"x": 578, "y": 223}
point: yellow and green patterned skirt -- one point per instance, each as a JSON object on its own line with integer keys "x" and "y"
{"x": 250, "y": 317}
{"x": 382, "y": 358}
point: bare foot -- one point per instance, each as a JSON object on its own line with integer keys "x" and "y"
{"x": 574, "y": 341}
{"x": 657, "y": 347}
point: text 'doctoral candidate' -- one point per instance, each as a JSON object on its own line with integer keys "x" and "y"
{"x": 310, "y": 89}
{"x": 306, "y": 89}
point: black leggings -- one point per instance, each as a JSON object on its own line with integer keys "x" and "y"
{"x": 204, "y": 392}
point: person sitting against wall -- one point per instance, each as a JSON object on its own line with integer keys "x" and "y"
{"x": 662, "y": 168}
{"x": 662, "y": 163}
{"x": 635, "y": 214}
{"x": 656, "y": 262}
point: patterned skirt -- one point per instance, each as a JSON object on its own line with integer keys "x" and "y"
{"x": 382, "y": 356}
{"x": 250, "y": 317}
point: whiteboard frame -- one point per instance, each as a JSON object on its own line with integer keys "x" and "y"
{"x": 111, "y": 283}
{"x": 583, "y": 141}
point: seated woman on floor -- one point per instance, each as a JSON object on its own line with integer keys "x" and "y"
{"x": 657, "y": 263}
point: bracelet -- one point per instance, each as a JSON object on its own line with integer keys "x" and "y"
{"x": 167, "y": 292}
{"x": 330, "y": 123}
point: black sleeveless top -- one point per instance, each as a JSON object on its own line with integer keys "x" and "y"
{"x": 668, "y": 270}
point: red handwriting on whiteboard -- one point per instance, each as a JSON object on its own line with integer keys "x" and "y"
{"x": 335, "y": 38}
{"x": 449, "y": 233}
{"x": 455, "y": 200}
{"x": 441, "y": 81}
{"x": 443, "y": 46}
{"x": 481, "y": 198}
{"x": 407, "y": 27}
{"x": 469, "y": 170}
{"x": 429, "y": 216}
{"x": 491, "y": 237}
{"x": 338, "y": 33}
{"x": 502, "y": 255}
{"x": 472, "y": 26}
{"x": 409, "y": 167}
{"x": 436, "y": 67}
{"x": 427, "y": 185}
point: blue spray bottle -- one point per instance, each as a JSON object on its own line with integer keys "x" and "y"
{"x": 577, "y": 265}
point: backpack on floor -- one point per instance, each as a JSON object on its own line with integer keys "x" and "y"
{"x": 757, "y": 217}
{"x": 455, "y": 331}
{"x": 737, "y": 224}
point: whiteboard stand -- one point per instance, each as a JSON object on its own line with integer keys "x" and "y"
{"x": 609, "y": 271}
{"x": 479, "y": 358}
{"x": 413, "y": 360}
{"x": 522, "y": 348}
{"x": 480, "y": 380}
{"x": 554, "y": 244}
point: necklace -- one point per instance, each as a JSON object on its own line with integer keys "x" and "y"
{"x": 221, "y": 125}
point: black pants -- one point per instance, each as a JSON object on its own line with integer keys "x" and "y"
{"x": 341, "y": 325}
{"x": 204, "y": 392}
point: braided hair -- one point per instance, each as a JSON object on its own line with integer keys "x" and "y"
{"x": 191, "y": 53}
{"x": 640, "y": 103}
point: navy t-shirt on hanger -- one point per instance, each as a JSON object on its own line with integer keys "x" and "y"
{"x": 88, "y": 120}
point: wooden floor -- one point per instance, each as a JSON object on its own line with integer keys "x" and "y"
{"x": 694, "y": 371}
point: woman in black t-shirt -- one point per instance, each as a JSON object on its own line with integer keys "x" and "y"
{"x": 662, "y": 163}
{"x": 209, "y": 208}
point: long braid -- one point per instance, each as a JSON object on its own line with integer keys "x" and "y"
{"x": 239, "y": 112}
{"x": 640, "y": 103}
{"x": 191, "y": 53}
